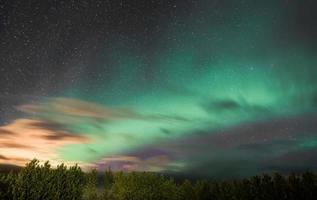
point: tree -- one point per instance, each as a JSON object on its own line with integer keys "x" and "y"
{"x": 267, "y": 187}
{"x": 309, "y": 185}
{"x": 38, "y": 182}
{"x": 6, "y": 186}
{"x": 90, "y": 190}
{"x": 187, "y": 191}
{"x": 202, "y": 190}
{"x": 142, "y": 185}
{"x": 294, "y": 187}
{"x": 280, "y": 187}
{"x": 108, "y": 181}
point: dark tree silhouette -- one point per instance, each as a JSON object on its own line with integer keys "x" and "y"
{"x": 41, "y": 182}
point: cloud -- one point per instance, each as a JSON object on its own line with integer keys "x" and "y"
{"x": 221, "y": 105}
{"x": 243, "y": 150}
{"x": 134, "y": 163}
{"x": 258, "y": 132}
{"x": 47, "y": 125}
{"x": 57, "y": 130}
{"x": 15, "y": 145}
{"x": 5, "y": 132}
{"x": 53, "y": 127}
{"x": 68, "y": 130}
{"x": 78, "y": 109}
{"x": 268, "y": 147}
{"x": 75, "y": 108}
{"x": 298, "y": 160}
{"x": 231, "y": 105}
{"x": 3, "y": 157}
{"x": 27, "y": 141}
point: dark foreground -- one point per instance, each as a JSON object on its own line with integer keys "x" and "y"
{"x": 36, "y": 182}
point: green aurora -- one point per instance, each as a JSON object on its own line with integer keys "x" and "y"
{"x": 212, "y": 72}
{"x": 218, "y": 71}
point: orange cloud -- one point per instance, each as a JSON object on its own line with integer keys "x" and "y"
{"x": 22, "y": 141}
{"x": 51, "y": 125}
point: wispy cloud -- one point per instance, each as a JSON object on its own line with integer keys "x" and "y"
{"x": 134, "y": 163}
{"x": 94, "y": 135}
{"x": 22, "y": 141}
{"x": 55, "y": 124}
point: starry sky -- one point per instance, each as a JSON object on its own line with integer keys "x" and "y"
{"x": 204, "y": 88}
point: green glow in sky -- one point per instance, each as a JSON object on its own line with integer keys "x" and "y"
{"x": 212, "y": 71}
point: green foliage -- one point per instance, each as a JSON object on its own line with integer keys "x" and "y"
{"x": 187, "y": 191}
{"x": 108, "y": 183}
{"x": 146, "y": 186}
{"x": 109, "y": 178}
{"x": 90, "y": 190}
{"x": 38, "y": 182}
{"x": 6, "y": 186}
{"x": 41, "y": 182}
{"x": 202, "y": 190}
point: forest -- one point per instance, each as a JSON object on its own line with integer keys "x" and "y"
{"x": 43, "y": 182}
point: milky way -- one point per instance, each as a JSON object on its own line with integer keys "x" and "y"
{"x": 203, "y": 88}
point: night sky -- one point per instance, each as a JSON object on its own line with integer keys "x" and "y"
{"x": 207, "y": 88}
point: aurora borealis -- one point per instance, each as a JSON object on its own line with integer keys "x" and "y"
{"x": 206, "y": 88}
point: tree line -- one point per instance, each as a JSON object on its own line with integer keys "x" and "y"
{"x": 42, "y": 182}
